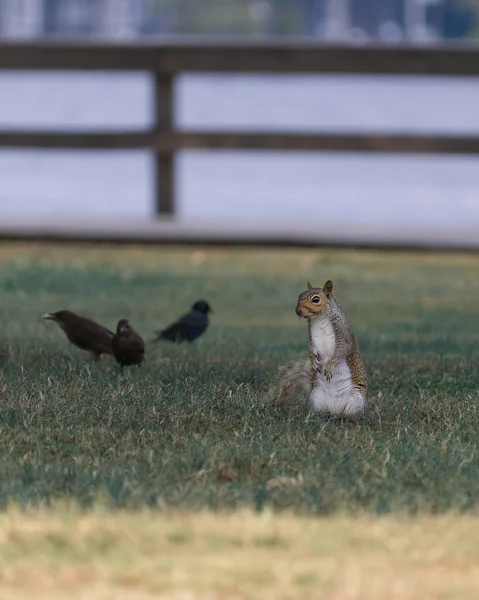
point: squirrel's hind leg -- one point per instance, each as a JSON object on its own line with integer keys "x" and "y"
{"x": 345, "y": 403}
{"x": 357, "y": 406}
{"x": 318, "y": 399}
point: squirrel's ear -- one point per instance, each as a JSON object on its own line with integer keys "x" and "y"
{"x": 310, "y": 287}
{"x": 328, "y": 288}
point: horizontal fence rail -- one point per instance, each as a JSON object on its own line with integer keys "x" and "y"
{"x": 167, "y": 60}
{"x": 172, "y": 57}
{"x": 164, "y": 143}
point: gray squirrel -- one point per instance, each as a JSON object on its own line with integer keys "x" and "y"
{"x": 335, "y": 377}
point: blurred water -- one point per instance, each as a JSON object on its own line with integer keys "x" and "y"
{"x": 231, "y": 185}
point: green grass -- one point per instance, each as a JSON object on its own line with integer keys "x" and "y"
{"x": 193, "y": 428}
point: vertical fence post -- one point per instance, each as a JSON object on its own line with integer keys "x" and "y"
{"x": 164, "y": 159}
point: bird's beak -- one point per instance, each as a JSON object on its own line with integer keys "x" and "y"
{"x": 48, "y": 316}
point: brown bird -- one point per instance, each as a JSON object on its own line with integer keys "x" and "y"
{"x": 127, "y": 345}
{"x": 83, "y": 333}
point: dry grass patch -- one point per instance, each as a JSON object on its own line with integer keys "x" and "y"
{"x": 69, "y": 554}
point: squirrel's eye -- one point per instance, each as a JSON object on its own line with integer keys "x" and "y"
{"x": 315, "y": 299}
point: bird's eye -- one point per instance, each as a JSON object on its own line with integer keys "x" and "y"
{"x": 315, "y": 299}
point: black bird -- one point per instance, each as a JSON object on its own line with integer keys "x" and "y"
{"x": 128, "y": 347}
{"x": 189, "y": 326}
{"x": 83, "y": 333}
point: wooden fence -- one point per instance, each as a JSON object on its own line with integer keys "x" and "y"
{"x": 168, "y": 59}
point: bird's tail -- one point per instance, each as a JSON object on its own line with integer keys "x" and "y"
{"x": 295, "y": 377}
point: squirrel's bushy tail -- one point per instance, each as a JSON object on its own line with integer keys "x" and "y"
{"x": 294, "y": 377}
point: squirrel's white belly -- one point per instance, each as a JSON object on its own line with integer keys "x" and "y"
{"x": 323, "y": 338}
{"x": 339, "y": 397}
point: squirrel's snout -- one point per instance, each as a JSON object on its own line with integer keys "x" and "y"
{"x": 302, "y": 311}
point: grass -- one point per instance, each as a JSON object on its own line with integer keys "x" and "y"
{"x": 193, "y": 428}
{"x": 193, "y": 432}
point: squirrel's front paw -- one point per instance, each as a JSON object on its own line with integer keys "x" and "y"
{"x": 328, "y": 371}
{"x": 315, "y": 361}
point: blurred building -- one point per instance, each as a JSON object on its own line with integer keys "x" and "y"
{"x": 357, "y": 21}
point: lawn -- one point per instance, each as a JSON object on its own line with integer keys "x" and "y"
{"x": 193, "y": 429}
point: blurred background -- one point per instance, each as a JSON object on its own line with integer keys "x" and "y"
{"x": 362, "y": 20}
{"x": 427, "y": 192}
